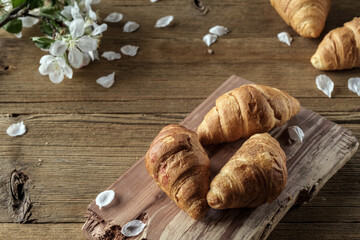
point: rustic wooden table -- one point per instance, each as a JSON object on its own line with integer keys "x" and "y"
{"x": 82, "y": 137}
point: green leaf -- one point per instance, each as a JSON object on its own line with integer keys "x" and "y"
{"x": 68, "y": 2}
{"x": 16, "y": 3}
{"x": 46, "y": 29}
{"x": 35, "y": 3}
{"x": 14, "y": 26}
{"x": 51, "y": 13}
{"x": 42, "y": 42}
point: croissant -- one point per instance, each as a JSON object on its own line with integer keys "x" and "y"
{"x": 245, "y": 111}
{"x": 340, "y": 48}
{"x": 306, "y": 17}
{"x": 255, "y": 175}
{"x": 180, "y": 167}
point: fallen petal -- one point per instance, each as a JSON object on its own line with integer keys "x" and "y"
{"x": 130, "y": 27}
{"x": 325, "y": 84}
{"x": 110, "y": 55}
{"x": 107, "y": 81}
{"x": 133, "y": 228}
{"x": 104, "y": 198}
{"x": 209, "y": 39}
{"x": 129, "y": 50}
{"x": 285, "y": 38}
{"x": 153, "y": 1}
{"x": 296, "y": 133}
{"x": 18, "y": 35}
{"x": 164, "y": 21}
{"x": 219, "y": 30}
{"x": 354, "y": 85}
{"x": 114, "y": 17}
{"x": 16, "y": 129}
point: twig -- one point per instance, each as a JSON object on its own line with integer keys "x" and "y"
{"x": 13, "y": 14}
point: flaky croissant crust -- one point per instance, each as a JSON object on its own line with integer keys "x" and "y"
{"x": 255, "y": 175}
{"x": 340, "y": 48}
{"x": 306, "y": 17}
{"x": 245, "y": 111}
{"x": 179, "y": 165}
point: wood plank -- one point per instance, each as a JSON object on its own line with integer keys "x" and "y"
{"x": 139, "y": 197}
{"x": 120, "y": 140}
{"x": 60, "y": 231}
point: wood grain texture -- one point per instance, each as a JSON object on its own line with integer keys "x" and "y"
{"x": 95, "y": 134}
{"x": 326, "y": 148}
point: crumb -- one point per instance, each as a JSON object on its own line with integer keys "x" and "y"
{"x": 290, "y": 197}
{"x": 47, "y": 143}
{"x": 210, "y": 51}
{"x": 39, "y": 164}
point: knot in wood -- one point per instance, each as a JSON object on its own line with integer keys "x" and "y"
{"x": 200, "y": 6}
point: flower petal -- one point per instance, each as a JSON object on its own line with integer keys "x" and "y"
{"x": 296, "y": 133}
{"x": 110, "y": 55}
{"x": 46, "y": 59}
{"x": 219, "y": 30}
{"x": 56, "y": 76}
{"x": 68, "y": 71}
{"x": 99, "y": 29}
{"x": 87, "y": 43}
{"x": 164, "y": 21}
{"x": 106, "y": 81}
{"x": 325, "y": 84}
{"x": 75, "y": 58}
{"x": 58, "y": 48}
{"x": 131, "y": 27}
{"x": 92, "y": 14}
{"x": 94, "y": 55}
{"x": 44, "y": 69}
{"x": 77, "y": 27}
{"x": 354, "y": 85}
{"x": 60, "y": 61}
{"x": 66, "y": 12}
{"x": 133, "y": 228}
{"x": 285, "y": 38}
{"x": 16, "y": 129}
{"x": 86, "y": 59}
{"x": 75, "y": 11}
{"x": 28, "y": 22}
{"x": 105, "y": 198}
{"x": 18, "y": 35}
{"x": 114, "y": 17}
{"x": 129, "y": 50}
{"x": 209, "y": 39}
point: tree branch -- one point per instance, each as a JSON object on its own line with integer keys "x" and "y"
{"x": 13, "y": 14}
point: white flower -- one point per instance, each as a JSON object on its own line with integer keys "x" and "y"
{"x": 79, "y": 43}
{"x": 55, "y": 67}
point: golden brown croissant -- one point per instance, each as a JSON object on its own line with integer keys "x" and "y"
{"x": 255, "y": 175}
{"x": 306, "y": 17}
{"x": 340, "y": 48}
{"x": 179, "y": 165}
{"x": 245, "y": 111}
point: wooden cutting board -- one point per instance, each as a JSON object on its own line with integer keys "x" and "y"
{"x": 325, "y": 149}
